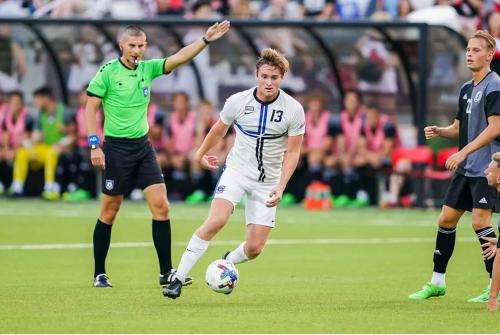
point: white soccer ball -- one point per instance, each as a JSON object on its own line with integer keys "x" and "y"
{"x": 222, "y": 276}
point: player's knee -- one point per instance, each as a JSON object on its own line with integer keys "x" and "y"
{"x": 109, "y": 212}
{"x": 253, "y": 249}
{"x": 446, "y": 221}
{"x": 161, "y": 208}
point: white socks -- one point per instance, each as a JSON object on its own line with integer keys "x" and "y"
{"x": 438, "y": 279}
{"x": 238, "y": 255}
{"x": 195, "y": 249}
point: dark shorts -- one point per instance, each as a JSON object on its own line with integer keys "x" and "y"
{"x": 471, "y": 192}
{"x": 129, "y": 162}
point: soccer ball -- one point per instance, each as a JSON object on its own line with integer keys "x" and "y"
{"x": 222, "y": 276}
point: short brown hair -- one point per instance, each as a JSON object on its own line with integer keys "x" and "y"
{"x": 491, "y": 44}
{"x": 133, "y": 30}
{"x": 272, "y": 57}
{"x": 496, "y": 158}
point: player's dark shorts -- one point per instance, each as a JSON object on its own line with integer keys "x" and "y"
{"x": 470, "y": 192}
{"x": 129, "y": 162}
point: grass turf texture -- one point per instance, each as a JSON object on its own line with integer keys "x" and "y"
{"x": 346, "y": 271}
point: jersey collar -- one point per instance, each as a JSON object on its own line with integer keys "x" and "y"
{"x": 125, "y": 66}
{"x": 265, "y": 102}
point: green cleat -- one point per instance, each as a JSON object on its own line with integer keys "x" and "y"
{"x": 428, "y": 290}
{"x": 483, "y": 297}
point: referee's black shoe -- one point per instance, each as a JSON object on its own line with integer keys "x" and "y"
{"x": 102, "y": 280}
{"x": 173, "y": 290}
{"x": 165, "y": 280}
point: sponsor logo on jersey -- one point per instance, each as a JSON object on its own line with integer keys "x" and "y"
{"x": 145, "y": 91}
{"x": 465, "y": 96}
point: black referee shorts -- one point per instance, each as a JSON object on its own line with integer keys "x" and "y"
{"x": 471, "y": 192}
{"x": 129, "y": 162}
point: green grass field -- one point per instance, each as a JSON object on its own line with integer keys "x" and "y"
{"x": 343, "y": 271}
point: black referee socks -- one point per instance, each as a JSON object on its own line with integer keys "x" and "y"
{"x": 102, "y": 239}
{"x": 162, "y": 241}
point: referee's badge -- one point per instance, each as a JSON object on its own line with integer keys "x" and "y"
{"x": 110, "y": 184}
{"x": 145, "y": 91}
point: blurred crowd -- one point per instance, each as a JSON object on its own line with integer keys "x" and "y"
{"x": 463, "y": 15}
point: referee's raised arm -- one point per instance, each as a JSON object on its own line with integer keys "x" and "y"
{"x": 190, "y": 51}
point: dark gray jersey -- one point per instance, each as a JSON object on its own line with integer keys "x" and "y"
{"x": 475, "y": 105}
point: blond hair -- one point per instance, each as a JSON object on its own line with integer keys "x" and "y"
{"x": 491, "y": 44}
{"x": 272, "y": 57}
{"x": 496, "y": 158}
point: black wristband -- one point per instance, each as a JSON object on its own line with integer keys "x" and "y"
{"x": 205, "y": 40}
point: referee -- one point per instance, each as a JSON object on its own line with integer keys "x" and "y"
{"x": 477, "y": 126}
{"x": 126, "y": 157}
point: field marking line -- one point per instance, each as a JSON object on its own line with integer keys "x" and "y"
{"x": 331, "y": 241}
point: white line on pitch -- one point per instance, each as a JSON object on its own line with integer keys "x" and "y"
{"x": 360, "y": 241}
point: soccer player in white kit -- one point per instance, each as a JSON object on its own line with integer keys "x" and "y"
{"x": 270, "y": 127}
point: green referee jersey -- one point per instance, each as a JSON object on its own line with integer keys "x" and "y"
{"x": 125, "y": 95}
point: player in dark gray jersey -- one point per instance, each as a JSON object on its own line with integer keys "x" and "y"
{"x": 477, "y": 126}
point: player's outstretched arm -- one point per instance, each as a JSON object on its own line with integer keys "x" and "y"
{"x": 447, "y": 132}
{"x": 214, "y": 136}
{"x": 96, "y": 155}
{"x": 489, "y": 133}
{"x": 290, "y": 162}
{"x": 190, "y": 51}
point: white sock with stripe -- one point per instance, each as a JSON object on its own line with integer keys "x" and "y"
{"x": 238, "y": 255}
{"x": 195, "y": 249}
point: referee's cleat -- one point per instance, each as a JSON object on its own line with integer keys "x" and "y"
{"x": 102, "y": 280}
{"x": 165, "y": 280}
{"x": 173, "y": 290}
{"x": 428, "y": 290}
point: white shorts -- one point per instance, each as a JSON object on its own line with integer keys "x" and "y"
{"x": 232, "y": 186}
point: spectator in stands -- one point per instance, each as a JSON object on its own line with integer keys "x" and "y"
{"x": 405, "y": 7}
{"x": 11, "y": 8}
{"x": 319, "y": 9}
{"x": 493, "y": 27}
{"x": 12, "y": 61}
{"x": 281, "y": 9}
{"x": 240, "y": 9}
{"x": 180, "y": 142}
{"x": 377, "y": 71}
{"x": 315, "y": 143}
{"x": 351, "y": 9}
{"x": 75, "y": 175}
{"x": 170, "y": 7}
{"x": 345, "y": 132}
{"x": 87, "y": 58}
{"x": 47, "y": 141}
{"x": 15, "y": 128}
